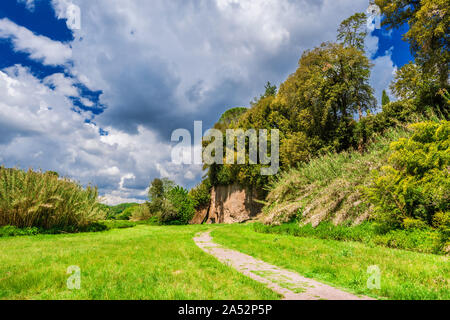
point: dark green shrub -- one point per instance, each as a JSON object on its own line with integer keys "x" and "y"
{"x": 119, "y": 212}
{"x": 11, "y": 231}
{"x": 95, "y": 227}
{"x": 420, "y": 240}
{"x": 127, "y": 213}
{"x": 182, "y": 210}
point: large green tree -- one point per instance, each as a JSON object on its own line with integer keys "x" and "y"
{"x": 329, "y": 87}
{"x": 353, "y": 31}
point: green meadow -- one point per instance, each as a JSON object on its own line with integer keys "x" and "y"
{"x": 163, "y": 262}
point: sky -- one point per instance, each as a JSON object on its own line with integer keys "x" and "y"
{"x": 97, "y": 99}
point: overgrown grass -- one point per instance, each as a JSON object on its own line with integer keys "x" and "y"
{"x": 144, "y": 262}
{"x": 425, "y": 240}
{"x": 43, "y": 200}
{"x": 328, "y": 188}
{"x": 404, "y": 274}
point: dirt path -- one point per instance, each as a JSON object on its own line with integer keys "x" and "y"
{"x": 289, "y": 284}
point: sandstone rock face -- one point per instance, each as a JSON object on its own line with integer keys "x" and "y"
{"x": 200, "y": 216}
{"x": 229, "y": 204}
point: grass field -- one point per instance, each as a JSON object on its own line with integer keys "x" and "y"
{"x": 404, "y": 274}
{"x": 150, "y": 262}
{"x": 139, "y": 263}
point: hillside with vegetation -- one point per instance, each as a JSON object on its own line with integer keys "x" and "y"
{"x": 344, "y": 159}
{"x": 356, "y": 181}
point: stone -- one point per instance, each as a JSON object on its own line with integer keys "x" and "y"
{"x": 230, "y": 204}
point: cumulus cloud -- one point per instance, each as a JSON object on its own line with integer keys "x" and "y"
{"x": 164, "y": 64}
{"x": 38, "y": 129}
{"x": 382, "y": 75}
{"x": 39, "y": 47}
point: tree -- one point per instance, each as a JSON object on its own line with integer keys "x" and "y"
{"x": 270, "y": 90}
{"x": 313, "y": 109}
{"x": 156, "y": 190}
{"x": 407, "y": 81}
{"x": 201, "y": 194}
{"x": 53, "y": 173}
{"x": 428, "y": 33}
{"x": 181, "y": 209}
{"x": 385, "y": 98}
{"x": 330, "y": 86}
{"x": 170, "y": 203}
{"x": 229, "y": 117}
{"x": 353, "y": 31}
{"x": 157, "y": 194}
{"x": 423, "y": 89}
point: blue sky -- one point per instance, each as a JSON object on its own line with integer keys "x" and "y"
{"x": 98, "y": 104}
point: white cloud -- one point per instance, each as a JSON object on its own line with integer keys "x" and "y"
{"x": 164, "y": 64}
{"x": 29, "y": 4}
{"x": 38, "y": 129}
{"x": 63, "y": 85}
{"x": 371, "y": 45}
{"x": 382, "y": 75}
{"x": 383, "y": 70}
{"x": 112, "y": 199}
{"x": 39, "y": 47}
{"x": 111, "y": 171}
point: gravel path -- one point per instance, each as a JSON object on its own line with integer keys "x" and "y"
{"x": 289, "y": 284}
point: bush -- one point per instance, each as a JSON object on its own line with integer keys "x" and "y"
{"x": 120, "y": 212}
{"x": 201, "y": 195}
{"x": 170, "y": 204}
{"x": 181, "y": 209}
{"x": 413, "y": 187}
{"x": 127, "y": 213}
{"x": 141, "y": 213}
{"x": 11, "y": 231}
{"x": 42, "y": 200}
{"x": 425, "y": 240}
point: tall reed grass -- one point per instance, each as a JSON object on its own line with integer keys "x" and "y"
{"x": 37, "y": 199}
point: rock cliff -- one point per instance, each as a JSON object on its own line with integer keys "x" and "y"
{"x": 229, "y": 204}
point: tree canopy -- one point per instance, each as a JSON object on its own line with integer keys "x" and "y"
{"x": 313, "y": 110}
{"x": 353, "y": 31}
